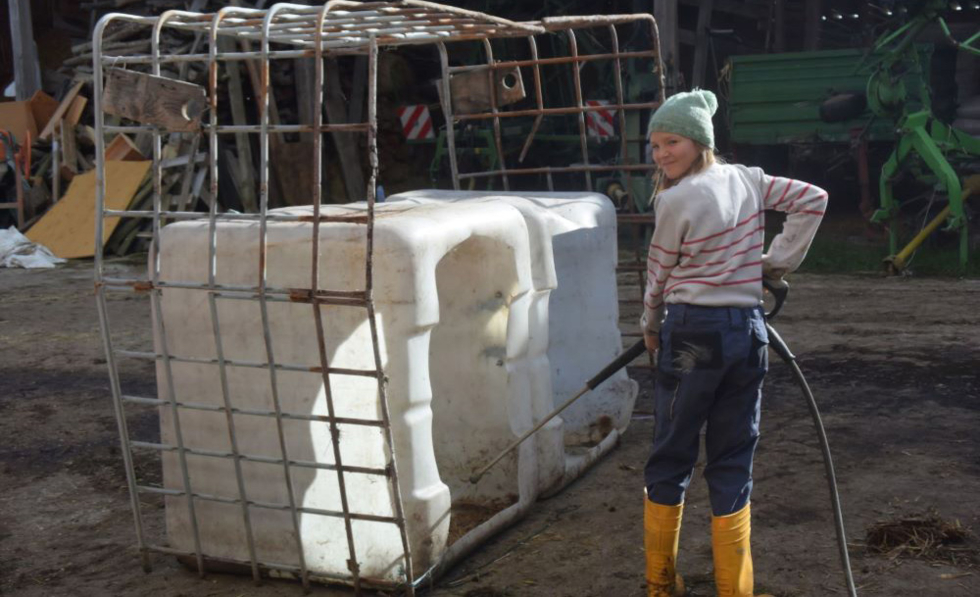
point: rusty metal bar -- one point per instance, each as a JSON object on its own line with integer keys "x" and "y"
{"x": 624, "y": 157}
{"x": 230, "y": 129}
{"x": 372, "y": 318}
{"x": 560, "y": 170}
{"x": 196, "y": 215}
{"x": 156, "y": 298}
{"x": 447, "y": 111}
{"x": 237, "y": 456}
{"x": 212, "y": 299}
{"x": 553, "y": 24}
{"x": 355, "y": 298}
{"x": 558, "y": 111}
{"x": 537, "y": 96}
{"x": 581, "y": 58}
{"x": 135, "y": 354}
{"x": 352, "y": 564}
{"x": 497, "y": 137}
{"x": 100, "y": 294}
{"x": 264, "y": 91}
{"x": 255, "y": 412}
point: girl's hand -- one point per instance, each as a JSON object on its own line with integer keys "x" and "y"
{"x": 652, "y": 342}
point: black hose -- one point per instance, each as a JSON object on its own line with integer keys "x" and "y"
{"x": 776, "y": 343}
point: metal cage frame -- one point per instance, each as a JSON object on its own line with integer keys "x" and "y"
{"x": 338, "y": 28}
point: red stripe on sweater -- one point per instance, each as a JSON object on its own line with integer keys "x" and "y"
{"x": 722, "y": 248}
{"x": 798, "y": 197}
{"x": 769, "y": 190}
{"x": 660, "y": 263}
{"x": 811, "y": 213}
{"x": 723, "y": 261}
{"x": 715, "y": 284}
{"x": 667, "y": 251}
{"x": 722, "y": 273}
{"x": 816, "y": 198}
{"x": 724, "y": 232}
{"x": 789, "y": 184}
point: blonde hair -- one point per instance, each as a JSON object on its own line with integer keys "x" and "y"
{"x": 706, "y": 158}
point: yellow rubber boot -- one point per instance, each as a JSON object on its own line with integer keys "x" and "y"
{"x": 662, "y": 529}
{"x": 732, "y": 554}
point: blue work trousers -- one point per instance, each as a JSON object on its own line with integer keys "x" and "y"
{"x": 709, "y": 372}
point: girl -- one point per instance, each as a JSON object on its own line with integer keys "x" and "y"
{"x": 702, "y": 312}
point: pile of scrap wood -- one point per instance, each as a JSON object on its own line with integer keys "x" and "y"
{"x": 50, "y": 194}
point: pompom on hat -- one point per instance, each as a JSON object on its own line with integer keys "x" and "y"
{"x": 689, "y": 114}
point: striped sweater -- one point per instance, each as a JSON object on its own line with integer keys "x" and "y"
{"x": 707, "y": 247}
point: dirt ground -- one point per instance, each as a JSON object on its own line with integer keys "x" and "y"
{"x": 894, "y": 363}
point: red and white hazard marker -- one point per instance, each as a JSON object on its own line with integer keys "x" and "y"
{"x": 599, "y": 123}
{"x": 416, "y": 122}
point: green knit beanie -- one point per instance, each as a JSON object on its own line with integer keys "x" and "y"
{"x": 688, "y": 114}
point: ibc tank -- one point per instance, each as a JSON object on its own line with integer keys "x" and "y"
{"x": 484, "y": 307}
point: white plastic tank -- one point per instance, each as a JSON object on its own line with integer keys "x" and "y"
{"x": 491, "y": 311}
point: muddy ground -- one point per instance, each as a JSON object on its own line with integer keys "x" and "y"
{"x": 895, "y": 365}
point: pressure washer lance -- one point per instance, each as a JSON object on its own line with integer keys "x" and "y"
{"x": 621, "y": 361}
{"x": 779, "y": 293}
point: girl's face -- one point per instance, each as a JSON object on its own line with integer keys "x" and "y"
{"x": 673, "y": 154}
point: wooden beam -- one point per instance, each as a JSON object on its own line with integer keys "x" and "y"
{"x": 665, "y": 12}
{"x": 27, "y": 69}
{"x": 346, "y": 143}
{"x": 245, "y": 181}
{"x": 69, "y": 150}
{"x": 304, "y": 75}
{"x": 63, "y": 108}
{"x": 358, "y": 89}
{"x": 811, "y": 20}
{"x": 779, "y": 33}
{"x": 701, "y": 48}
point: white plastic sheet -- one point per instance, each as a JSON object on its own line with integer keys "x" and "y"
{"x": 16, "y": 250}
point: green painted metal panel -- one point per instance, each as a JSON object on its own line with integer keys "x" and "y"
{"x": 775, "y": 98}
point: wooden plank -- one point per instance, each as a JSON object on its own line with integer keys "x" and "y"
{"x": 245, "y": 181}
{"x": 66, "y": 103}
{"x": 18, "y": 118}
{"x": 811, "y": 20}
{"x": 303, "y": 79}
{"x": 665, "y": 11}
{"x": 43, "y": 107}
{"x": 69, "y": 151}
{"x": 779, "y": 43}
{"x": 172, "y": 105}
{"x": 293, "y": 165}
{"x": 123, "y": 149}
{"x": 74, "y": 113}
{"x": 358, "y": 89}
{"x": 701, "y": 47}
{"x": 346, "y": 143}
{"x": 67, "y": 228}
{"x": 27, "y": 69}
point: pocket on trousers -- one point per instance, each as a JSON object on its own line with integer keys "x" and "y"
{"x": 692, "y": 350}
{"x": 759, "y": 350}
